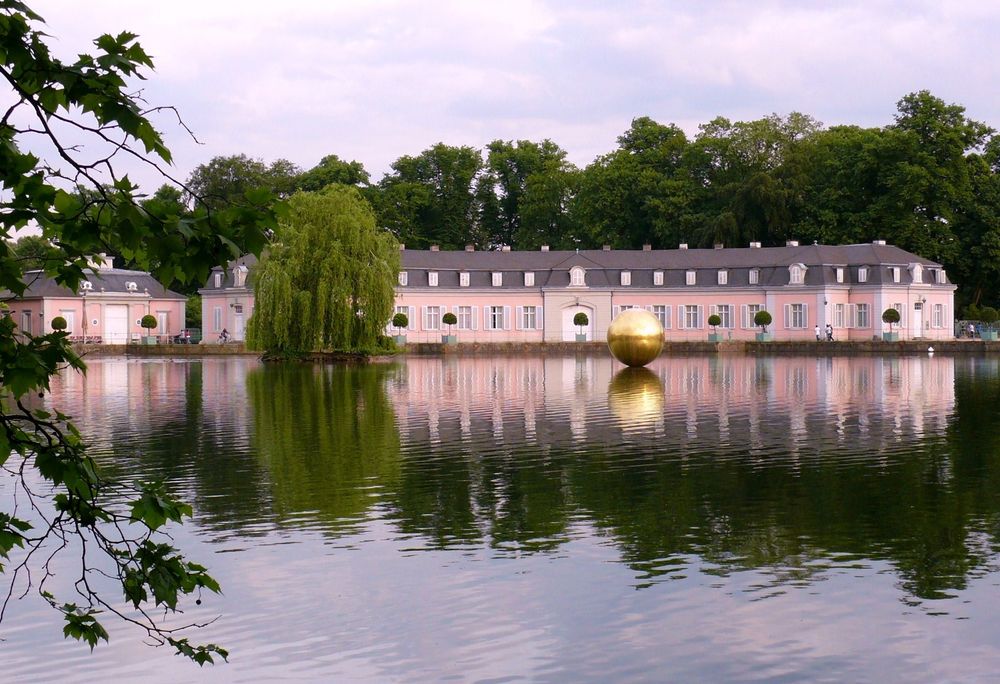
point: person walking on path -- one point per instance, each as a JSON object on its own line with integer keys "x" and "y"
{"x": 817, "y": 334}
{"x": 829, "y": 333}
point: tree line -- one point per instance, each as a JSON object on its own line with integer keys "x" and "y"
{"x": 928, "y": 182}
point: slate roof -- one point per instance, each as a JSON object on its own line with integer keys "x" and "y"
{"x": 603, "y": 268}
{"x": 111, "y": 280}
{"x": 228, "y": 278}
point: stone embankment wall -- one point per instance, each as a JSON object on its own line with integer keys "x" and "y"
{"x": 801, "y": 348}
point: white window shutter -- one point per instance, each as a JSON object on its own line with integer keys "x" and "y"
{"x": 539, "y": 318}
{"x": 487, "y": 319}
{"x": 614, "y": 311}
{"x": 412, "y": 316}
{"x": 945, "y": 322}
{"x": 805, "y": 316}
{"x": 713, "y": 309}
{"x": 666, "y": 316}
{"x": 681, "y": 317}
{"x": 423, "y": 318}
{"x": 475, "y": 318}
{"x": 744, "y": 316}
{"x": 649, "y": 308}
{"x": 518, "y": 317}
{"x": 506, "y": 318}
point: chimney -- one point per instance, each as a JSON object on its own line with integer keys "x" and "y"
{"x": 470, "y": 248}
{"x": 719, "y": 245}
{"x": 401, "y": 246}
{"x": 545, "y": 248}
{"x": 435, "y": 248}
{"x": 647, "y": 248}
{"x": 878, "y": 242}
{"x": 683, "y": 245}
{"x": 754, "y": 245}
{"x": 101, "y": 262}
{"x": 505, "y": 248}
{"x": 791, "y": 243}
{"x": 606, "y": 248}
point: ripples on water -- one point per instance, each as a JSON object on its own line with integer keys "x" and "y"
{"x": 561, "y": 519}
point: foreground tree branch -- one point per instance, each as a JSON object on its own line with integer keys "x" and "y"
{"x": 83, "y": 205}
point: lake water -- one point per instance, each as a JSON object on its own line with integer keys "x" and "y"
{"x": 550, "y": 519}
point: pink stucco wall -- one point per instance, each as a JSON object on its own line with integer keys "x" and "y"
{"x": 40, "y": 313}
{"x": 229, "y": 315}
{"x": 480, "y": 303}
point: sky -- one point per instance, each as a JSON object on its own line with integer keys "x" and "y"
{"x": 375, "y": 80}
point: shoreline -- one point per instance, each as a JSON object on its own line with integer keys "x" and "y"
{"x": 687, "y": 348}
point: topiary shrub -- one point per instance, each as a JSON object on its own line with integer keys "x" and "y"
{"x": 400, "y": 321}
{"x": 715, "y": 321}
{"x": 59, "y": 323}
{"x": 148, "y": 322}
{"x": 890, "y": 316}
{"x": 762, "y": 319}
{"x": 580, "y": 320}
{"x": 449, "y": 319}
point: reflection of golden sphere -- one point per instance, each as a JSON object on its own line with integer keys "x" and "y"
{"x": 635, "y": 337}
{"x": 635, "y": 396}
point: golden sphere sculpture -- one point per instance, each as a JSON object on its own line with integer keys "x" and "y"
{"x": 635, "y": 337}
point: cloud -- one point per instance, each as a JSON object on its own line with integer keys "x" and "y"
{"x": 375, "y": 80}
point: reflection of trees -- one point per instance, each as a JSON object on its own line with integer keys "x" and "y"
{"x": 327, "y": 434}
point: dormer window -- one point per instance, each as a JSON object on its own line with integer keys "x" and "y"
{"x": 895, "y": 273}
{"x": 862, "y": 274}
{"x": 497, "y": 279}
{"x": 657, "y": 277}
{"x": 723, "y": 277}
{"x": 577, "y": 277}
{"x": 690, "y": 278}
{"x": 86, "y": 285}
{"x": 840, "y": 274}
{"x": 240, "y": 275}
{"x": 529, "y": 279}
{"x": 404, "y": 278}
{"x": 917, "y": 273}
{"x": 218, "y": 280}
{"x": 432, "y": 278}
{"x": 942, "y": 278}
{"x": 131, "y": 286}
{"x": 796, "y": 274}
{"x": 754, "y": 276}
{"x": 626, "y": 278}
{"x": 463, "y": 279}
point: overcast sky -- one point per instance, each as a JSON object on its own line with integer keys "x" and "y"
{"x": 378, "y": 79}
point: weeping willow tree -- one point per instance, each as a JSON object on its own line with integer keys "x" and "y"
{"x": 328, "y": 281}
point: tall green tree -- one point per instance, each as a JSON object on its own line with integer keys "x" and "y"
{"x": 108, "y": 528}
{"x": 32, "y": 251}
{"x": 332, "y": 169}
{"x": 226, "y": 180}
{"x": 328, "y": 283}
{"x": 431, "y": 198}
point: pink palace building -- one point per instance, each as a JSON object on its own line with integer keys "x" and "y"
{"x": 517, "y": 296}
{"x": 106, "y": 309}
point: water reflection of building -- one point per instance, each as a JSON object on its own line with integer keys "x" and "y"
{"x": 733, "y": 400}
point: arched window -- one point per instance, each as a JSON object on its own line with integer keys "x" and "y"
{"x": 796, "y": 274}
{"x": 577, "y": 277}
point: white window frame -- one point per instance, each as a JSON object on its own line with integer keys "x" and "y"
{"x": 754, "y": 276}
{"x": 692, "y": 316}
{"x": 404, "y": 278}
{"x": 529, "y": 317}
{"x": 497, "y": 278}
{"x": 496, "y": 318}
{"x": 862, "y": 274}
{"x": 748, "y": 311}
{"x": 917, "y": 273}
{"x": 723, "y": 277}
{"x": 862, "y": 317}
{"x": 465, "y": 315}
{"x": 838, "y": 316}
{"x": 840, "y": 274}
{"x": 796, "y": 316}
{"x": 463, "y": 279}
{"x": 218, "y": 280}
{"x": 725, "y": 312}
{"x": 431, "y": 319}
{"x": 796, "y": 274}
{"x": 529, "y": 279}
{"x": 690, "y": 278}
{"x": 625, "y": 278}
{"x": 942, "y": 277}
{"x": 432, "y": 278}
{"x": 217, "y": 319}
{"x": 662, "y": 313}
{"x": 895, "y": 270}
{"x": 577, "y": 277}
{"x": 657, "y": 277}
{"x": 26, "y": 317}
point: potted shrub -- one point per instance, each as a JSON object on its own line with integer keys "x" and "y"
{"x": 715, "y": 321}
{"x": 762, "y": 319}
{"x": 890, "y": 316}
{"x": 580, "y": 320}
{"x": 449, "y": 319}
{"x": 400, "y": 321}
{"x": 59, "y": 323}
{"x": 989, "y": 316}
{"x": 148, "y": 322}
